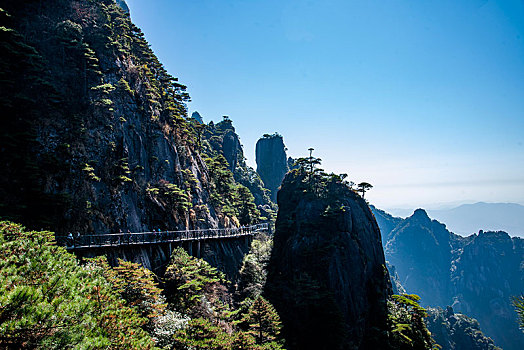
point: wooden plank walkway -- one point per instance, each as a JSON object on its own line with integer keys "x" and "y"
{"x": 144, "y": 238}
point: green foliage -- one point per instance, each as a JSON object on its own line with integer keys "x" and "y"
{"x": 518, "y": 303}
{"x": 200, "y": 333}
{"x": 263, "y": 323}
{"x": 363, "y": 187}
{"x": 406, "y": 322}
{"x": 49, "y": 301}
{"x": 104, "y": 88}
{"x": 253, "y": 272}
{"x": 192, "y": 285}
{"x": 232, "y": 199}
{"x": 90, "y": 172}
{"x": 170, "y": 195}
{"x": 135, "y": 285}
{"x": 315, "y": 182}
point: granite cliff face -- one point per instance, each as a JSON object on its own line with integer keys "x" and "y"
{"x": 327, "y": 276}
{"x": 272, "y": 162}
{"x": 116, "y": 146}
{"x": 94, "y": 132}
{"x": 477, "y": 275}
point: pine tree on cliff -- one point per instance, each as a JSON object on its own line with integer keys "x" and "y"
{"x": 363, "y": 187}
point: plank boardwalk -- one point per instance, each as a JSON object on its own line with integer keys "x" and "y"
{"x": 144, "y": 238}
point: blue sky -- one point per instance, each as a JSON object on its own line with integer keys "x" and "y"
{"x": 423, "y": 99}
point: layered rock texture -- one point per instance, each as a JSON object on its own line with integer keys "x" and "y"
{"x": 477, "y": 275}
{"x": 327, "y": 276}
{"x": 272, "y": 162}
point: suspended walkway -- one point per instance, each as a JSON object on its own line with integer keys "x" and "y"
{"x": 160, "y": 237}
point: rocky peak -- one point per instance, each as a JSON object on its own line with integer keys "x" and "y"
{"x": 420, "y": 249}
{"x": 232, "y": 148}
{"x": 421, "y": 215}
{"x": 195, "y": 115}
{"x": 327, "y": 275}
{"x": 272, "y": 162}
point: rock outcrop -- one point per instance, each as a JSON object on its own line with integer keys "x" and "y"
{"x": 420, "y": 250}
{"x": 272, "y": 162}
{"x": 327, "y": 276}
{"x": 486, "y": 274}
{"x": 455, "y": 331}
{"x": 222, "y": 139}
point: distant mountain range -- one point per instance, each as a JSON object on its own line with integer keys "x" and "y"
{"x": 477, "y": 275}
{"x": 471, "y": 218}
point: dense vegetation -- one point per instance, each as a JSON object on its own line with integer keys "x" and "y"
{"x": 407, "y": 325}
{"x": 49, "y": 300}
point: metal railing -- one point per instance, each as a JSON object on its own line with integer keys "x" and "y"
{"x": 156, "y": 237}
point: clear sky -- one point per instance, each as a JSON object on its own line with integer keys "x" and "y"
{"x": 422, "y": 99}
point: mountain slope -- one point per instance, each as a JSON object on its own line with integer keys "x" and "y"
{"x": 477, "y": 274}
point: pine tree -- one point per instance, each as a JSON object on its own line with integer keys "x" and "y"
{"x": 264, "y": 323}
{"x": 518, "y": 302}
{"x": 49, "y": 301}
{"x": 190, "y": 281}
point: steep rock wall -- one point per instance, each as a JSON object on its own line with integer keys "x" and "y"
{"x": 271, "y": 162}
{"x": 327, "y": 276}
{"x": 94, "y": 132}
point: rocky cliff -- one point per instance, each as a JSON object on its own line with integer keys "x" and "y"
{"x": 327, "y": 276}
{"x": 221, "y": 139}
{"x": 272, "y": 162}
{"x": 488, "y": 271}
{"x": 417, "y": 247}
{"x": 94, "y": 132}
{"x": 477, "y": 275}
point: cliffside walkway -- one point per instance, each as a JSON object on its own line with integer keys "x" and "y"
{"x": 144, "y": 238}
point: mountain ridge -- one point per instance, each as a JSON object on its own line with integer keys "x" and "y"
{"x": 468, "y": 218}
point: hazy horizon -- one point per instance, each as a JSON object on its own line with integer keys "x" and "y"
{"x": 423, "y": 101}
